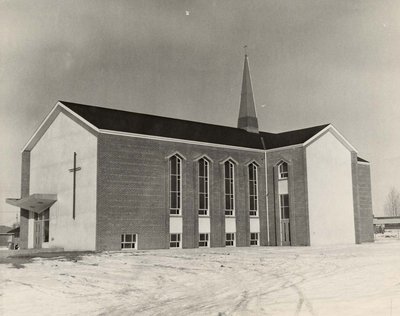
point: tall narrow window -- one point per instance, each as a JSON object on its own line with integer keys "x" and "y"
{"x": 175, "y": 170}
{"x": 229, "y": 188}
{"x": 253, "y": 191}
{"x": 203, "y": 186}
{"x": 284, "y": 203}
{"x": 283, "y": 170}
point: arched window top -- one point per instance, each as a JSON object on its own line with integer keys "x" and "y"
{"x": 252, "y": 170}
{"x": 252, "y": 162}
{"x": 204, "y": 157}
{"x": 203, "y": 162}
{"x": 283, "y": 171}
{"x": 229, "y": 167}
{"x": 176, "y": 154}
{"x": 229, "y": 159}
{"x": 175, "y": 164}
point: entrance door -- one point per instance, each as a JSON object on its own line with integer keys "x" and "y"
{"x": 285, "y": 229}
{"x": 38, "y": 233}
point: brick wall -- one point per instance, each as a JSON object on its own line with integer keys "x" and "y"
{"x": 299, "y": 230}
{"x": 365, "y": 203}
{"x": 24, "y": 214}
{"x": 354, "y": 173}
{"x": 133, "y": 192}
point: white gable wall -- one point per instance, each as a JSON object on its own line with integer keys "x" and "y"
{"x": 51, "y": 159}
{"x": 330, "y": 192}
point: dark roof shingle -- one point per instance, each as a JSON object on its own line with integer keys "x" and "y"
{"x": 359, "y": 159}
{"x": 145, "y": 124}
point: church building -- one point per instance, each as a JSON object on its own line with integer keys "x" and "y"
{"x": 95, "y": 178}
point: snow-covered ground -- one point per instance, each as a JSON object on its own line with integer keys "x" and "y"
{"x": 341, "y": 280}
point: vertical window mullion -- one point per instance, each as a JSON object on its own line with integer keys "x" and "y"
{"x": 253, "y": 189}
{"x": 284, "y": 206}
{"x": 203, "y": 186}
{"x": 175, "y": 175}
{"x": 128, "y": 241}
{"x": 229, "y": 188}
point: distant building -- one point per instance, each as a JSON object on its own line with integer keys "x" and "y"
{"x": 15, "y": 238}
{"x": 102, "y": 179}
{"x": 5, "y": 236}
{"x": 387, "y": 222}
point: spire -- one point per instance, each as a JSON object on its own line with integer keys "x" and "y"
{"x": 247, "y": 114}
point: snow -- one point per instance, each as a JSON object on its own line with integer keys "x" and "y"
{"x": 340, "y": 280}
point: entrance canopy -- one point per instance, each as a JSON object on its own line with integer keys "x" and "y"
{"x": 35, "y": 202}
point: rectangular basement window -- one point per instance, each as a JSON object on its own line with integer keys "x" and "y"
{"x": 203, "y": 240}
{"x": 230, "y": 239}
{"x": 175, "y": 241}
{"x": 253, "y": 239}
{"x": 128, "y": 241}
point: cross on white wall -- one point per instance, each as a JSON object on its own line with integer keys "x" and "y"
{"x": 74, "y": 170}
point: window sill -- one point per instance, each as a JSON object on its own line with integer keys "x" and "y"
{"x": 175, "y": 215}
{"x": 204, "y": 216}
{"x": 254, "y": 216}
{"x": 230, "y": 216}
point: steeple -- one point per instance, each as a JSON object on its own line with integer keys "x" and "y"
{"x": 247, "y": 114}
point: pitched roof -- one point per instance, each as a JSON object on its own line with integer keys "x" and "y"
{"x": 291, "y": 137}
{"x": 359, "y": 159}
{"x": 4, "y": 229}
{"x": 14, "y": 230}
{"x": 152, "y": 125}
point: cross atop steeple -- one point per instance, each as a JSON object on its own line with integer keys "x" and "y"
{"x": 247, "y": 114}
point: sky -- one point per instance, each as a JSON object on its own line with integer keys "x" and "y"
{"x": 311, "y": 62}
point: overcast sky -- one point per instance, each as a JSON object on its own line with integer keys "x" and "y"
{"x": 312, "y": 62}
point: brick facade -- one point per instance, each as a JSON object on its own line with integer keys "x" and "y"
{"x": 354, "y": 174}
{"x": 299, "y": 232}
{"x": 133, "y": 182}
{"x": 365, "y": 202}
{"x": 133, "y": 192}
